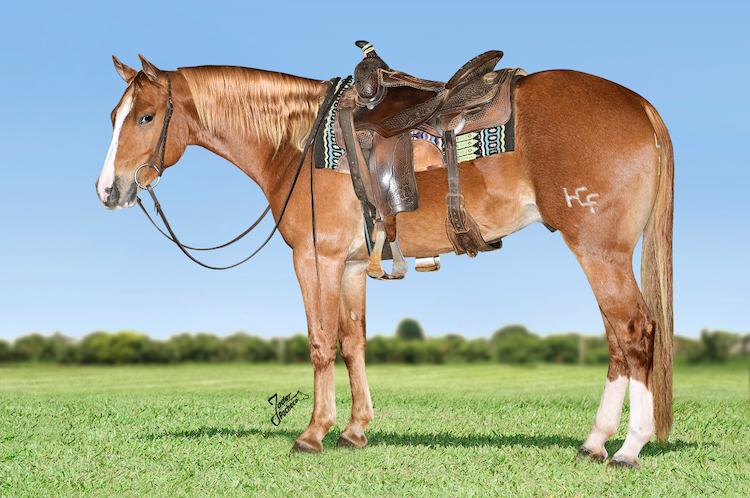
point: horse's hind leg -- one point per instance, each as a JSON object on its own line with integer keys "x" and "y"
{"x": 630, "y": 335}
{"x": 610, "y": 407}
{"x": 352, "y": 337}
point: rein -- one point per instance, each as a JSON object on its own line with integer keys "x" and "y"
{"x": 331, "y": 95}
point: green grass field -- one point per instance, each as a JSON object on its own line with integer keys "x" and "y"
{"x": 451, "y": 430}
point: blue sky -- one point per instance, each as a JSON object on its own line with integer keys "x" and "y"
{"x": 68, "y": 265}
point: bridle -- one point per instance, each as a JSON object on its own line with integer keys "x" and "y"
{"x": 333, "y": 92}
{"x": 161, "y": 145}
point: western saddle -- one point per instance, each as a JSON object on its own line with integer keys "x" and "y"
{"x": 377, "y": 116}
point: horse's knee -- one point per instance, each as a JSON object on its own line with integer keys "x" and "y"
{"x": 352, "y": 352}
{"x": 353, "y": 343}
{"x": 322, "y": 356}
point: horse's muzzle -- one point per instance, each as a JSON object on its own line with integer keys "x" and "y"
{"x": 116, "y": 199}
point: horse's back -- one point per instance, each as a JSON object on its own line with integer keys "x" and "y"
{"x": 589, "y": 150}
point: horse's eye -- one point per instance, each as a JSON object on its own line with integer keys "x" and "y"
{"x": 146, "y": 118}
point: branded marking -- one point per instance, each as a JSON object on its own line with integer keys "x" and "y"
{"x": 577, "y": 196}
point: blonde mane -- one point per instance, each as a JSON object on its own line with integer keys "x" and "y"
{"x": 245, "y": 100}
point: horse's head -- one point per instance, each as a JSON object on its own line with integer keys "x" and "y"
{"x": 138, "y": 121}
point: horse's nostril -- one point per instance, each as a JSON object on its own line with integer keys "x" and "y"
{"x": 114, "y": 195}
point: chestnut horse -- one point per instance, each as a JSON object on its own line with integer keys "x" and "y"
{"x": 592, "y": 159}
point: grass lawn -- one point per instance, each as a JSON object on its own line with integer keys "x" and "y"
{"x": 451, "y": 430}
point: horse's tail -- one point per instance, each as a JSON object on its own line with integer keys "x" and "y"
{"x": 656, "y": 276}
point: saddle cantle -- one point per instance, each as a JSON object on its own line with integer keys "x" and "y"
{"x": 377, "y": 117}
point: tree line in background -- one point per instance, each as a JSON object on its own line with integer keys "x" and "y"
{"x": 510, "y": 344}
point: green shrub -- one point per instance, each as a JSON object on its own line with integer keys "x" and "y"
{"x": 186, "y": 347}
{"x": 745, "y": 345}
{"x": 378, "y": 350}
{"x": 396, "y": 350}
{"x": 418, "y": 352}
{"x": 452, "y": 346}
{"x": 297, "y": 349}
{"x": 562, "y": 348}
{"x": 36, "y": 347}
{"x": 595, "y": 350}
{"x": 515, "y": 344}
{"x": 6, "y": 352}
{"x": 244, "y": 347}
{"x": 510, "y": 344}
{"x": 410, "y": 329}
{"x": 157, "y": 352}
{"x": 178, "y": 348}
{"x": 717, "y": 345}
{"x": 115, "y": 349}
{"x": 688, "y": 348}
{"x": 206, "y": 347}
{"x": 711, "y": 347}
{"x": 476, "y": 350}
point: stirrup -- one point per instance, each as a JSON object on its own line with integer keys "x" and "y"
{"x": 374, "y": 264}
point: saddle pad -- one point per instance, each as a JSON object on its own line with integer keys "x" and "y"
{"x": 326, "y": 150}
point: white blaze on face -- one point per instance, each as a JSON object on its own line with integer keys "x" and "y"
{"x": 107, "y": 176}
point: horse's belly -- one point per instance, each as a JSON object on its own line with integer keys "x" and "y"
{"x": 497, "y": 197}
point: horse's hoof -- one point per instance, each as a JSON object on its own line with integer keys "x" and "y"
{"x": 584, "y": 452}
{"x": 623, "y": 463}
{"x": 345, "y": 442}
{"x": 302, "y": 447}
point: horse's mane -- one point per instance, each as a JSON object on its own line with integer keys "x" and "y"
{"x": 246, "y": 100}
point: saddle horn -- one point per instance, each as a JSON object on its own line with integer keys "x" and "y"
{"x": 365, "y": 74}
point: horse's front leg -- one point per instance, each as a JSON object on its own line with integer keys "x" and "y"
{"x": 322, "y": 326}
{"x": 353, "y": 340}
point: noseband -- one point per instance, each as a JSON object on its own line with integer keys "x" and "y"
{"x": 161, "y": 145}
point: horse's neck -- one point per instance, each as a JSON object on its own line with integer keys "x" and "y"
{"x": 254, "y": 155}
{"x": 255, "y": 152}
{"x": 271, "y": 169}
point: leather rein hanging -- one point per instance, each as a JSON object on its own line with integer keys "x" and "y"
{"x": 161, "y": 145}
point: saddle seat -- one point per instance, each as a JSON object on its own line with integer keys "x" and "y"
{"x": 398, "y": 102}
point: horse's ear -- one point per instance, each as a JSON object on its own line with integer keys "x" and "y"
{"x": 124, "y": 71}
{"x": 151, "y": 71}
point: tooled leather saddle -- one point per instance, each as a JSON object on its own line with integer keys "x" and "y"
{"x": 377, "y": 117}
